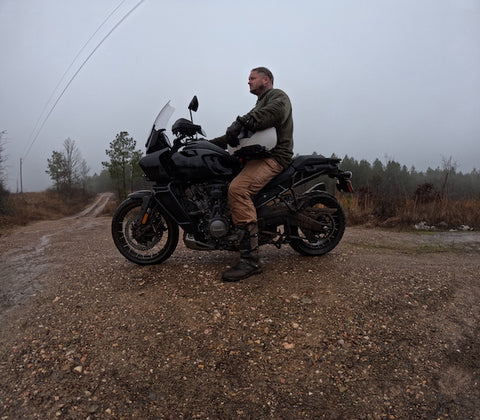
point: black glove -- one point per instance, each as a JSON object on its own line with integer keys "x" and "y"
{"x": 232, "y": 133}
{"x": 248, "y": 123}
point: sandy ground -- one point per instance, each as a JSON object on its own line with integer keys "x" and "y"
{"x": 385, "y": 326}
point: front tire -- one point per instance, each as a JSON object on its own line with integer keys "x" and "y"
{"x": 143, "y": 244}
{"x": 325, "y": 209}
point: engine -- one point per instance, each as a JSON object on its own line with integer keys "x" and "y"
{"x": 207, "y": 205}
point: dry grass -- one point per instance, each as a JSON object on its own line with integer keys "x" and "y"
{"x": 407, "y": 212}
{"x": 110, "y": 208}
{"x": 400, "y": 213}
{"x": 30, "y": 207}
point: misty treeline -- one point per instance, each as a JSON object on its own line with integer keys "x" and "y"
{"x": 3, "y": 189}
{"x": 393, "y": 180}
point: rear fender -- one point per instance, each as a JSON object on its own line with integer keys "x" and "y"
{"x": 317, "y": 187}
{"x": 313, "y": 193}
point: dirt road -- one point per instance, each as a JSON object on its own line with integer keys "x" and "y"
{"x": 385, "y": 326}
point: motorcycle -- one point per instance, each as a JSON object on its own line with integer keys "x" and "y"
{"x": 191, "y": 179}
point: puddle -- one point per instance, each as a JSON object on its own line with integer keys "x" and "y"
{"x": 26, "y": 259}
{"x": 21, "y": 273}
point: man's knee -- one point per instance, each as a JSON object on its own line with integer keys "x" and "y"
{"x": 236, "y": 191}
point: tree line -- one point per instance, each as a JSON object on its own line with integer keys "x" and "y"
{"x": 392, "y": 180}
{"x": 122, "y": 174}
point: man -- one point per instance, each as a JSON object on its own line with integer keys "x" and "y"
{"x": 273, "y": 109}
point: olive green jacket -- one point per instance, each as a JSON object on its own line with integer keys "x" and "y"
{"x": 273, "y": 109}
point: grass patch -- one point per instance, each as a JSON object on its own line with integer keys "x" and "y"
{"x": 404, "y": 213}
{"x": 23, "y": 209}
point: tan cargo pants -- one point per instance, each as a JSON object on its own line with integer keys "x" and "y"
{"x": 253, "y": 177}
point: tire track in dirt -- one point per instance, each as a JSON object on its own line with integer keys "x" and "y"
{"x": 25, "y": 254}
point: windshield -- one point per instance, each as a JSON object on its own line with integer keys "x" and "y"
{"x": 163, "y": 117}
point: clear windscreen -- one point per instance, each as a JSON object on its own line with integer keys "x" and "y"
{"x": 163, "y": 117}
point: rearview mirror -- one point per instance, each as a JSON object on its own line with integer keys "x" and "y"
{"x": 193, "y": 106}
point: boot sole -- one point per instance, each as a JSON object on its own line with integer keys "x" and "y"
{"x": 235, "y": 279}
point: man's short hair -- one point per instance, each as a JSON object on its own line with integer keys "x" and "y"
{"x": 265, "y": 71}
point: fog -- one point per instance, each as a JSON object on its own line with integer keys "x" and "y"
{"x": 374, "y": 79}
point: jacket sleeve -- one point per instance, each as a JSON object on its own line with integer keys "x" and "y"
{"x": 271, "y": 114}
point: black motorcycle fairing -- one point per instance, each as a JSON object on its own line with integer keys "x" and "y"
{"x": 157, "y": 140}
{"x": 165, "y": 197}
{"x": 155, "y": 164}
{"x": 200, "y": 161}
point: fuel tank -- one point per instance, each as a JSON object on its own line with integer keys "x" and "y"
{"x": 200, "y": 161}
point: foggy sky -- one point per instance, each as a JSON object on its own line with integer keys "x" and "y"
{"x": 387, "y": 79}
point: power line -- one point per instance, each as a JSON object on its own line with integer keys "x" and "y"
{"x": 70, "y": 66}
{"x": 76, "y": 73}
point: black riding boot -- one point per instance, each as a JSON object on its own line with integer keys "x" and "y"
{"x": 249, "y": 263}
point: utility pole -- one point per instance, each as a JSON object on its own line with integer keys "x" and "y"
{"x": 21, "y": 180}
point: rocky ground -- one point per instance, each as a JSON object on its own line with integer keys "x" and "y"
{"x": 386, "y": 326}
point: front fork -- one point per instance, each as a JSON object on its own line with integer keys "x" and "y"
{"x": 145, "y": 209}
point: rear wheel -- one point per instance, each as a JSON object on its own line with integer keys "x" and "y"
{"x": 149, "y": 243}
{"x": 321, "y": 236}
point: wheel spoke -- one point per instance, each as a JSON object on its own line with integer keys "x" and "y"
{"x": 322, "y": 235}
{"x": 149, "y": 243}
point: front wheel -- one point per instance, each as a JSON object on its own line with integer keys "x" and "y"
{"x": 143, "y": 243}
{"x": 313, "y": 239}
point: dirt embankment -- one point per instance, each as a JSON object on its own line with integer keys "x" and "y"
{"x": 385, "y": 326}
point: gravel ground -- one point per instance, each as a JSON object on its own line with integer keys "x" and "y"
{"x": 386, "y": 326}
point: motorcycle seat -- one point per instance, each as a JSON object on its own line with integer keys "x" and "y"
{"x": 312, "y": 162}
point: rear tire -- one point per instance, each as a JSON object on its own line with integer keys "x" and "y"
{"x": 327, "y": 210}
{"x": 151, "y": 243}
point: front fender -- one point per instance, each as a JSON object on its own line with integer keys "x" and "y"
{"x": 144, "y": 195}
{"x": 140, "y": 194}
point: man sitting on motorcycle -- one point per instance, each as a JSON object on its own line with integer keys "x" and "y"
{"x": 273, "y": 109}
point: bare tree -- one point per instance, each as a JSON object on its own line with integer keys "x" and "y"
{"x": 73, "y": 160}
{"x": 3, "y": 191}
{"x": 449, "y": 168}
{"x": 2, "y": 159}
{"x": 68, "y": 169}
{"x": 83, "y": 173}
